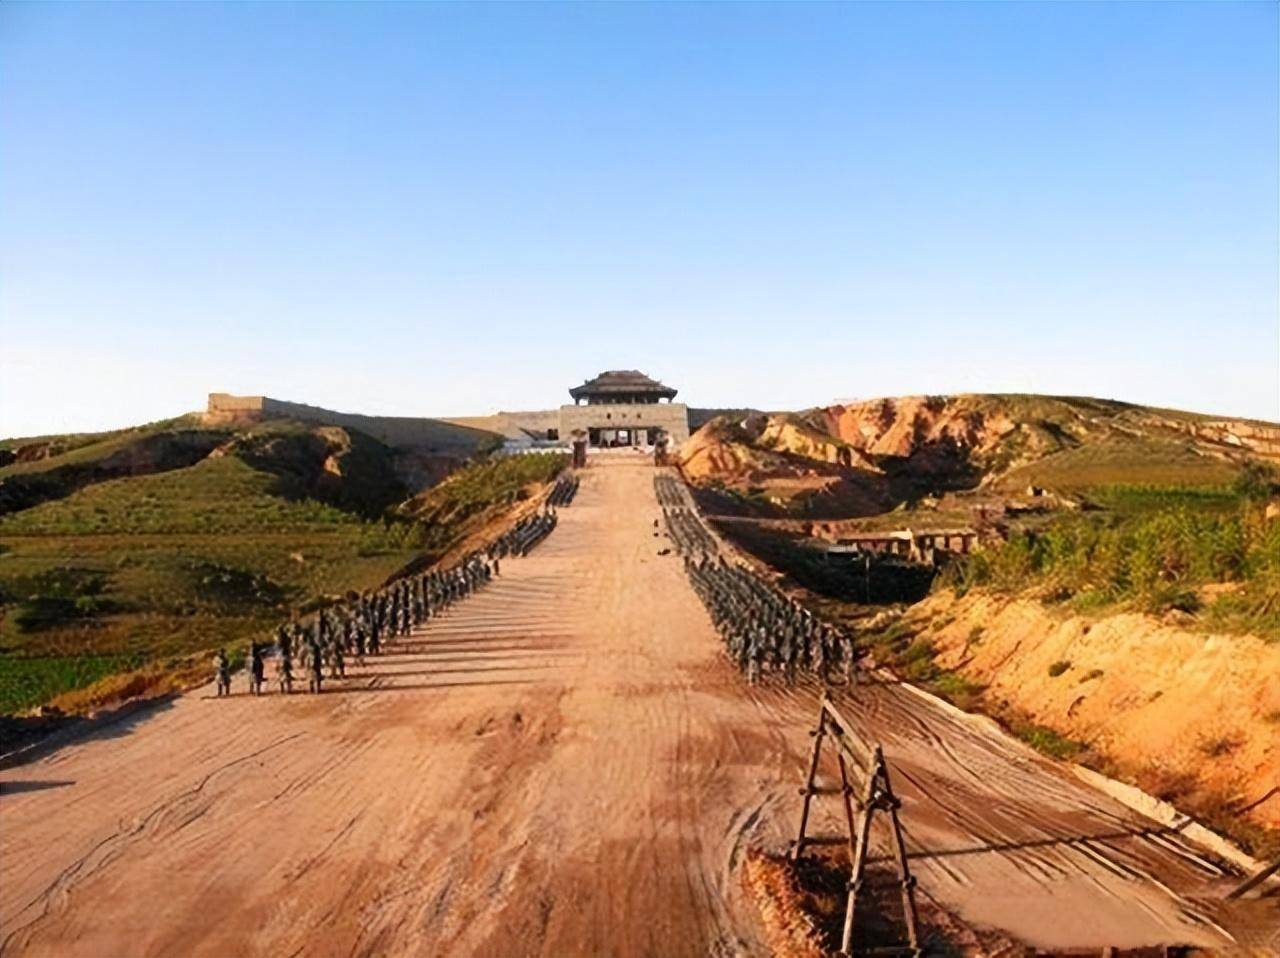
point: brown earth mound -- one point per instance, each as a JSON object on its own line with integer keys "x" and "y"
{"x": 915, "y": 445}
{"x": 1192, "y": 718}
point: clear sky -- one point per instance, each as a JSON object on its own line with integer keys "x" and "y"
{"x": 452, "y": 209}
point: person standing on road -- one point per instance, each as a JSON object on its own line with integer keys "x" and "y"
{"x": 222, "y": 673}
{"x": 286, "y": 672}
{"x": 316, "y": 661}
{"x": 338, "y": 666}
{"x": 253, "y": 662}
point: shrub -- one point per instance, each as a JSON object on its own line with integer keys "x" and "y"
{"x": 1057, "y": 668}
{"x": 1154, "y": 557}
{"x": 1219, "y": 745}
{"x": 957, "y": 689}
{"x": 1047, "y": 741}
{"x": 917, "y": 661}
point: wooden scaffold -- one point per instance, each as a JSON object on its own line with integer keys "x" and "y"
{"x": 875, "y": 797}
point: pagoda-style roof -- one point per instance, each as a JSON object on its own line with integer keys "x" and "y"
{"x": 619, "y": 383}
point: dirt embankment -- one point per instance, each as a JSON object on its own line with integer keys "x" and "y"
{"x": 1193, "y": 718}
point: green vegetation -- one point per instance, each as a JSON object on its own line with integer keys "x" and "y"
{"x": 146, "y": 571}
{"x": 1133, "y": 461}
{"x": 1048, "y": 742}
{"x": 477, "y": 491}
{"x": 28, "y": 682}
{"x": 956, "y": 689}
{"x": 898, "y": 647}
{"x": 76, "y": 462}
{"x": 132, "y": 571}
{"x": 1153, "y": 549}
{"x": 1057, "y": 668}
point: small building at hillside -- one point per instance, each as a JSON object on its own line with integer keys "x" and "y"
{"x": 928, "y": 546}
{"x": 624, "y": 407}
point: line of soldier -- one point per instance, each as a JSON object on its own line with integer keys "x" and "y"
{"x": 687, "y": 532}
{"x": 524, "y": 535}
{"x": 765, "y": 630}
{"x": 669, "y": 491}
{"x": 563, "y": 491}
{"x": 359, "y": 625}
{"x": 356, "y": 627}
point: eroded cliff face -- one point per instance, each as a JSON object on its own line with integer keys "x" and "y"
{"x": 1193, "y": 718}
{"x": 961, "y": 441}
{"x": 1260, "y": 439}
{"x": 780, "y": 464}
{"x": 902, "y": 427}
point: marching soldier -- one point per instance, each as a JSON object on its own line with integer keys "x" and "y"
{"x": 253, "y": 665}
{"x": 316, "y": 662}
{"x": 286, "y": 672}
{"x": 222, "y": 673}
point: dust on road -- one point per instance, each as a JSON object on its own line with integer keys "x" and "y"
{"x": 565, "y": 763}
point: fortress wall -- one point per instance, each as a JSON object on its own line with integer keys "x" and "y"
{"x": 512, "y": 425}
{"x": 431, "y": 435}
{"x": 227, "y": 403}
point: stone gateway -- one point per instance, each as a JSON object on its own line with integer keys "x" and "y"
{"x": 624, "y": 407}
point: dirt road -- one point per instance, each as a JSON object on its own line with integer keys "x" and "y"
{"x": 563, "y": 764}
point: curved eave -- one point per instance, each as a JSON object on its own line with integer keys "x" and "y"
{"x": 586, "y": 391}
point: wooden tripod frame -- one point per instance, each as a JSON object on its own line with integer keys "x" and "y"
{"x": 877, "y": 796}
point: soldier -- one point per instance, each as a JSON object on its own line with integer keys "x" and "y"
{"x": 317, "y": 666}
{"x": 850, "y": 662}
{"x": 339, "y": 665}
{"x": 253, "y": 662}
{"x": 755, "y": 653}
{"x": 789, "y": 663}
{"x": 361, "y": 632}
{"x": 284, "y": 641}
{"x": 820, "y": 656}
{"x": 222, "y": 673}
{"x": 286, "y": 672}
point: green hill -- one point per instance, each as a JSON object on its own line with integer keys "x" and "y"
{"x": 135, "y": 551}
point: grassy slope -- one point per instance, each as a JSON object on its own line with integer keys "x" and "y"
{"x": 151, "y": 568}
{"x": 73, "y": 462}
{"x": 142, "y": 572}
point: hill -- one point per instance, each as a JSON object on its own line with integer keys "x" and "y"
{"x": 125, "y": 554}
{"x": 864, "y": 458}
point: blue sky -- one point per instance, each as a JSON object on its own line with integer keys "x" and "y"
{"x": 450, "y": 209}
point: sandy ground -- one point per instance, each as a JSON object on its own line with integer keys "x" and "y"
{"x": 563, "y": 764}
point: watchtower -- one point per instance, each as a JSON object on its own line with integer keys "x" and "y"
{"x": 624, "y": 407}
